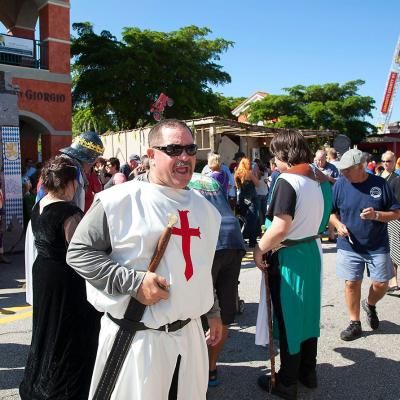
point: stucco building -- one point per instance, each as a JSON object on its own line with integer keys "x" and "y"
{"x": 35, "y": 90}
{"x": 35, "y": 57}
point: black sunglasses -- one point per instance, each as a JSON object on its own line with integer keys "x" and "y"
{"x": 174, "y": 150}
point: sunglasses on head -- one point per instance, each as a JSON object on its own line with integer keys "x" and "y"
{"x": 174, "y": 150}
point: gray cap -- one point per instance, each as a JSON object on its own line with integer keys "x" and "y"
{"x": 350, "y": 158}
{"x": 134, "y": 157}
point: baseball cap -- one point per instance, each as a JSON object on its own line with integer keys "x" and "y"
{"x": 134, "y": 157}
{"x": 350, "y": 158}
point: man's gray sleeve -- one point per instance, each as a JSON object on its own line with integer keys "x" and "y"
{"x": 88, "y": 255}
{"x": 215, "y": 311}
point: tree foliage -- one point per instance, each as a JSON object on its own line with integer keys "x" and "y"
{"x": 329, "y": 106}
{"x": 84, "y": 120}
{"x": 123, "y": 78}
{"x": 227, "y": 104}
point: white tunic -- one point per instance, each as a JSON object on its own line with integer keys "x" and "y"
{"x": 137, "y": 215}
{"x": 304, "y": 224}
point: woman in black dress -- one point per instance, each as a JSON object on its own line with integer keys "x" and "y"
{"x": 65, "y": 326}
{"x": 246, "y": 181}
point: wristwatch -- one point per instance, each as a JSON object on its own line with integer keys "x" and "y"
{"x": 377, "y": 215}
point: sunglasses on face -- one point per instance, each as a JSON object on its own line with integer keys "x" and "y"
{"x": 387, "y": 161}
{"x": 174, "y": 150}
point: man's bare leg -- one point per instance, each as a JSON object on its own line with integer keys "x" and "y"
{"x": 376, "y": 291}
{"x": 352, "y": 292}
{"x": 353, "y": 298}
{"x": 214, "y": 351}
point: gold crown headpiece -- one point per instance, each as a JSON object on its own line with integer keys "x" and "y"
{"x": 89, "y": 145}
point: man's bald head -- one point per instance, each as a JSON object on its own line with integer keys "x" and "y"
{"x": 156, "y": 132}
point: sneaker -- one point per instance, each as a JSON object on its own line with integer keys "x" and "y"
{"x": 213, "y": 378}
{"x": 352, "y": 332}
{"x": 372, "y": 316}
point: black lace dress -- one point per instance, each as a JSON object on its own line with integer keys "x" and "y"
{"x": 248, "y": 209}
{"x": 65, "y": 326}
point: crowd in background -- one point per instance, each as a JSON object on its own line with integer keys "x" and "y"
{"x": 101, "y": 175}
{"x": 259, "y": 194}
{"x": 247, "y": 184}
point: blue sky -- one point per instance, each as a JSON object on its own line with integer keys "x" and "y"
{"x": 277, "y": 43}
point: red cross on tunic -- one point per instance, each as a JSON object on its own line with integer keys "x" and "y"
{"x": 186, "y": 232}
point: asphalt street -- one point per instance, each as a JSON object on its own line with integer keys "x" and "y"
{"x": 367, "y": 368}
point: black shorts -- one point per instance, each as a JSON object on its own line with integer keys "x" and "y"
{"x": 225, "y": 273}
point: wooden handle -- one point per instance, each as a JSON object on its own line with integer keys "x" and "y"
{"x": 162, "y": 243}
{"x": 269, "y": 312}
{"x": 160, "y": 249}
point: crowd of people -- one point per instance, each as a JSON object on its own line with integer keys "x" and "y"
{"x": 100, "y": 175}
{"x": 135, "y": 267}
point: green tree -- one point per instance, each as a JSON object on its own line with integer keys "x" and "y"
{"x": 123, "y": 78}
{"x": 329, "y": 106}
{"x": 83, "y": 120}
{"x": 227, "y": 104}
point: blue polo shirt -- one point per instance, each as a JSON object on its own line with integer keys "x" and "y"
{"x": 368, "y": 236}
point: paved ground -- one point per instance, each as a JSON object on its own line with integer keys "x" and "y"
{"x": 368, "y": 368}
{"x": 15, "y": 326}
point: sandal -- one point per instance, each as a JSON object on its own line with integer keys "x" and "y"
{"x": 392, "y": 289}
{"x": 213, "y": 378}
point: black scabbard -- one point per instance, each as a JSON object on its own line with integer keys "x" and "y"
{"x": 118, "y": 353}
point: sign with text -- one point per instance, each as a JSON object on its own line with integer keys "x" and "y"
{"x": 15, "y": 45}
{"x": 387, "y": 99}
{"x": 42, "y": 96}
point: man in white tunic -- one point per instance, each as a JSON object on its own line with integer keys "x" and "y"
{"x": 112, "y": 249}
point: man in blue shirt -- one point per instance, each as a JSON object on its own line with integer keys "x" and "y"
{"x": 362, "y": 206}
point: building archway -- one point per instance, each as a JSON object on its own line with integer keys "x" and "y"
{"x": 36, "y": 58}
{"x": 35, "y": 90}
{"x": 32, "y": 128}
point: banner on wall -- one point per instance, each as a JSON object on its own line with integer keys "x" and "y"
{"x": 15, "y": 45}
{"x": 12, "y": 189}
